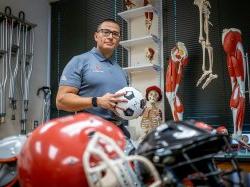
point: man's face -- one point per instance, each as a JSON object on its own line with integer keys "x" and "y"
{"x": 108, "y": 36}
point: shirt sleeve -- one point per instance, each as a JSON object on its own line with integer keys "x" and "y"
{"x": 71, "y": 75}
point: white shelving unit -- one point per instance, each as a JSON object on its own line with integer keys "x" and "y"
{"x": 135, "y": 69}
{"x": 143, "y": 73}
{"x": 143, "y": 68}
{"x": 140, "y": 41}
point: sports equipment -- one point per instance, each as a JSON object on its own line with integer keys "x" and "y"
{"x": 10, "y": 147}
{"x": 80, "y": 150}
{"x": 135, "y": 105}
{"x": 183, "y": 154}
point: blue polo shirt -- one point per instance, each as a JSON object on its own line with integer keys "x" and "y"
{"x": 94, "y": 75}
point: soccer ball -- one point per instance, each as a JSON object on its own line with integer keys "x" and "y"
{"x": 135, "y": 105}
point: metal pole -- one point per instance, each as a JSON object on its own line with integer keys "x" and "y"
{"x": 248, "y": 76}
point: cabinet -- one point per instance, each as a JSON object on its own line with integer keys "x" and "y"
{"x": 142, "y": 70}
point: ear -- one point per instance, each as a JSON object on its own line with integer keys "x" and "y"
{"x": 96, "y": 36}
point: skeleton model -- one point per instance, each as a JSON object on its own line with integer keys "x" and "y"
{"x": 129, "y": 4}
{"x": 150, "y": 52}
{"x": 204, "y": 13}
{"x": 148, "y": 20}
{"x": 152, "y": 115}
{"x": 179, "y": 58}
{"x": 148, "y": 17}
{"x": 236, "y": 63}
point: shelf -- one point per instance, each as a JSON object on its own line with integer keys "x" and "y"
{"x": 135, "y": 12}
{"x": 142, "y": 68}
{"x": 139, "y": 41}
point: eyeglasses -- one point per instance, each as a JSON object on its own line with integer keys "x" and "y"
{"x": 107, "y": 32}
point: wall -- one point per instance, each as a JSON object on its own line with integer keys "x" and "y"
{"x": 37, "y": 12}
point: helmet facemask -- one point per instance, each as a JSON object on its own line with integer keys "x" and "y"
{"x": 113, "y": 167}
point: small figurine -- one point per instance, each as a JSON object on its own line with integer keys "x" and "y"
{"x": 148, "y": 16}
{"x": 129, "y": 4}
{"x": 150, "y": 52}
{"x": 152, "y": 115}
{"x": 148, "y": 20}
{"x": 146, "y": 2}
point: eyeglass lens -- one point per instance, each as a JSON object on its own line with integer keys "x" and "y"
{"x": 107, "y": 32}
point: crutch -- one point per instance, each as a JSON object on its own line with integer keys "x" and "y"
{"x": 3, "y": 63}
{"x": 13, "y": 67}
{"x": 26, "y": 65}
{"x": 9, "y": 47}
{"x": 46, "y": 102}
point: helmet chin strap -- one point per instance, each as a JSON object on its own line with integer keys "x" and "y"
{"x": 121, "y": 167}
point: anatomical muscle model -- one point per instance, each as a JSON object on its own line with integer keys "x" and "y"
{"x": 179, "y": 58}
{"x": 236, "y": 64}
{"x": 204, "y": 13}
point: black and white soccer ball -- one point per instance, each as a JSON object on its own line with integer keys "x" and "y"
{"x": 135, "y": 105}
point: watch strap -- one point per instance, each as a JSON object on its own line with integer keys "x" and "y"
{"x": 94, "y": 101}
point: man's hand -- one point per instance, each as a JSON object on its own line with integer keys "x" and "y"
{"x": 109, "y": 101}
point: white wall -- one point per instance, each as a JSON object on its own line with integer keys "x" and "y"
{"x": 37, "y": 12}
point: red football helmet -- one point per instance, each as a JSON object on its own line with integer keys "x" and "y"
{"x": 52, "y": 155}
{"x": 80, "y": 150}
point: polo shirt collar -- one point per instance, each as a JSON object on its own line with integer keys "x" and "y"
{"x": 100, "y": 56}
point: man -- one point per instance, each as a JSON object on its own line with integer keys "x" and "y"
{"x": 90, "y": 81}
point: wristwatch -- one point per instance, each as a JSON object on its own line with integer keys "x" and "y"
{"x": 94, "y": 101}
